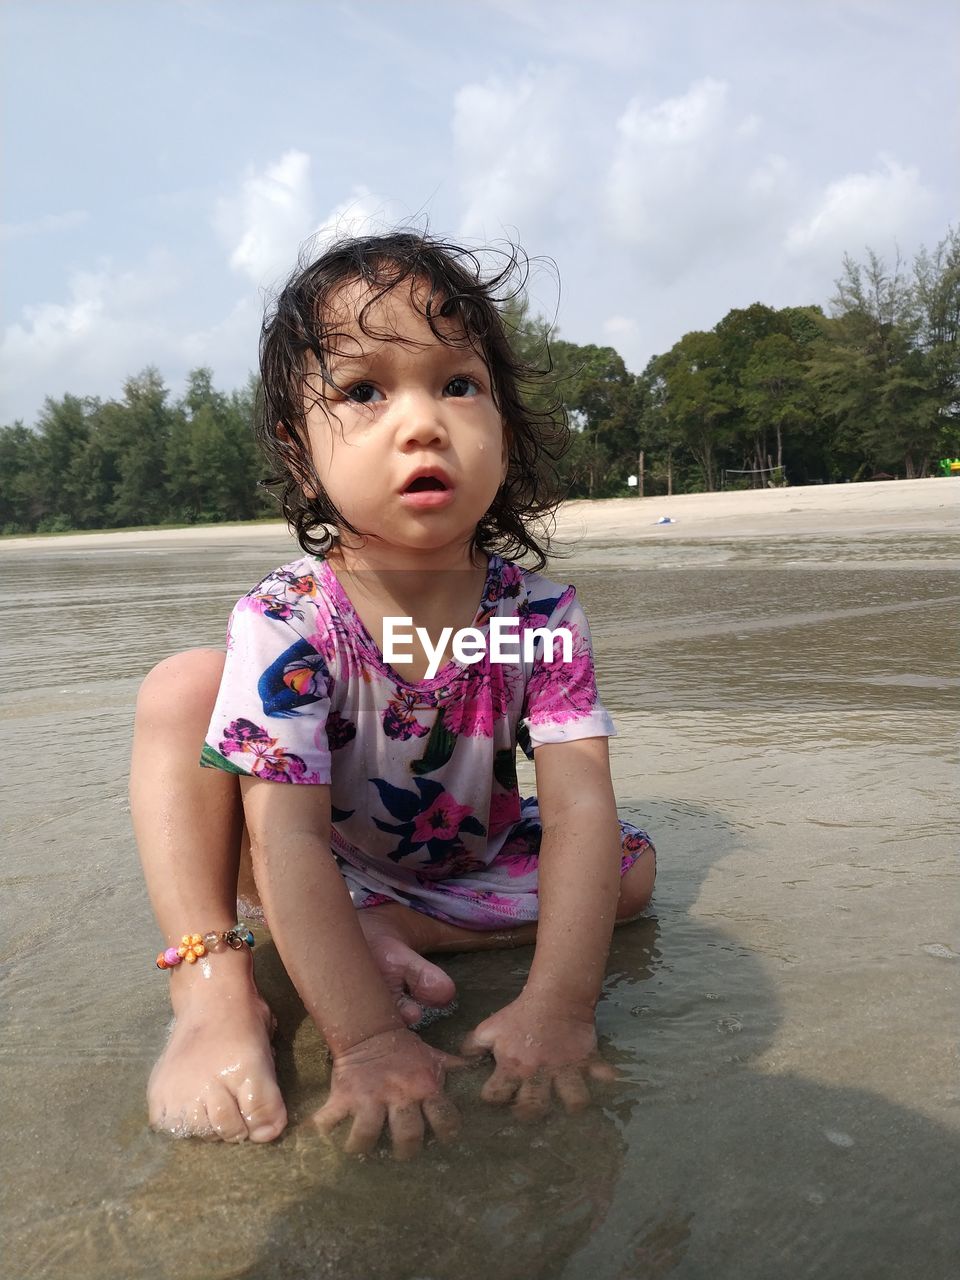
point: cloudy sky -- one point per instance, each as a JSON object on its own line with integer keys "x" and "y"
{"x": 164, "y": 160}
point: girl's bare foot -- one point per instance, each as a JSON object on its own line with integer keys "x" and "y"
{"x": 416, "y": 983}
{"x": 216, "y": 1077}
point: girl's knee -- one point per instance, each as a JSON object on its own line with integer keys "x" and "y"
{"x": 636, "y": 886}
{"x": 182, "y": 686}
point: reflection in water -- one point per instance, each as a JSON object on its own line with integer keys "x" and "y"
{"x": 785, "y": 710}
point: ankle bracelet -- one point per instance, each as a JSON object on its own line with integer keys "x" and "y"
{"x": 194, "y": 945}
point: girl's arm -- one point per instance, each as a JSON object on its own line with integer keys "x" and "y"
{"x": 547, "y": 1036}
{"x": 382, "y": 1072}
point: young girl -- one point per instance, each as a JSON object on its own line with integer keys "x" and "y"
{"x": 380, "y": 817}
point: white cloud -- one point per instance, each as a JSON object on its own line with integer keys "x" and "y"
{"x": 112, "y": 323}
{"x": 676, "y": 121}
{"x": 108, "y": 328}
{"x": 688, "y": 175}
{"x": 513, "y": 144}
{"x": 270, "y": 214}
{"x": 361, "y": 214}
{"x": 772, "y": 176}
{"x": 115, "y": 320}
{"x": 860, "y": 209}
{"x": 273, "y": 214}
{"x": 229, "y": 345}
{"x": 621, "y": 329}
{"x": 40, "y": 226}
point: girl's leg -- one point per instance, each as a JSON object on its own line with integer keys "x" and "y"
{"x": 216, "y": 1076}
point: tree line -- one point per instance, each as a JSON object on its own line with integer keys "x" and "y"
{"x": 766, "y": 396}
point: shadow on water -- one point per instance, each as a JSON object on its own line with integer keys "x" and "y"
{"x": 699, "y": 1163}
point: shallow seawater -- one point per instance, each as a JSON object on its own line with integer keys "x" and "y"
{"x": 783, "y": 1022}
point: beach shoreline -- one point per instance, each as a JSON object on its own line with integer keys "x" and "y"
{"x": 925, "y": 505}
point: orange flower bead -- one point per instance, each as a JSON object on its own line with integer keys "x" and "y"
{"x": 191, "y": 948}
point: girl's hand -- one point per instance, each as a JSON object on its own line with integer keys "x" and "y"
{"x": 539, "y": 1047}
{"x": 392, "y": 1078}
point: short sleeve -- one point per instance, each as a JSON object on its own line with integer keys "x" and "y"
{"x": 270, "y": 716}
{"x": 561, "y": 703}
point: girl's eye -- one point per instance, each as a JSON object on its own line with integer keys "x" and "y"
{"x": 363, "y": 393}
{"x": 461, "y": 387}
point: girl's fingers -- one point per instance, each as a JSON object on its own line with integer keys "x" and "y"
{"x": 443, "y": 1116}
{"x": 406, "y": 1130}
{"x": 601, "y": 1070}
{"x": 453, "y": 1061}
{"x": 533, "y": 1099}
{"x": 329, "y": 1116}
{"x": 500, "y": 1088}
{"x": 473, "y": 1046}
{"x": 365, "y": 1130}
{"x": 571, "y": 1089}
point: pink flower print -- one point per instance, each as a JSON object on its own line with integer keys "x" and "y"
{"x": 339, "y": 731}
{"x": 243, "y": 737}
{"x": 271, "y": 606}
{"x": 504, "y": 811}
{"x": 459, "y": 863}
{"x": 338, "y": 645}
{"x": 479, "y": 699}
{"x": 511, "y": 578}
{"x": 305, "y": 585}
{"x": 399, "y": 719}
{"x": 471, "y": 715}
{"x": 632, "y": 845}
{"x": 561, "y": 691}
{"x": 529, "y": 619}
{"x": 441, "y": 821}
{"x": 240, "y": 732}
{"x": 518, "y": 864}
{"x": 501, "y": 903}
{"x": 634, "y": 841}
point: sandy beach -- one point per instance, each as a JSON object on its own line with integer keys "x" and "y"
{"x": 781, "y": 669}
{"x": 875, "y": 506}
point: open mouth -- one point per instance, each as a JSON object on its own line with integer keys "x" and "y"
{"x": 425, "y": 484}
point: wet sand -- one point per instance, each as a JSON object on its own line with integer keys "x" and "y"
{"x": 782, "y": 670}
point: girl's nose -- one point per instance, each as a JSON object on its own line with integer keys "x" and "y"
{"x": 420, "y": 422}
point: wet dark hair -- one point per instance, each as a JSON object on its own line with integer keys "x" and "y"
{"x": 453, "y": 284}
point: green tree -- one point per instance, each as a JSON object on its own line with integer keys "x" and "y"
{"x": 215, "y": 451}
{"x": 139, "y": 430}
{"x": 776, "y": 395}
{"x": 18, "y": 470}
{"x": 64, "y": 434}
{"x": 936, "y": 283}
{"x": 699, "y": 399}
{"x": 603, "y": 401}
{"x": 876, "y": 326}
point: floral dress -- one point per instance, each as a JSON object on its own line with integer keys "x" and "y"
{"x": 426, "y": 809}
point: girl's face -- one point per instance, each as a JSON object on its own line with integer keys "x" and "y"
{"x": 409, "y": 446}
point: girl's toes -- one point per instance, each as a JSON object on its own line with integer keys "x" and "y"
{"x": 226, "y": 1122}
{"x": 408, "y": 973}
{"x": 189, "y": 1122}
{"x": 263, "y": 1111}
{"x": 427, "y": 982}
